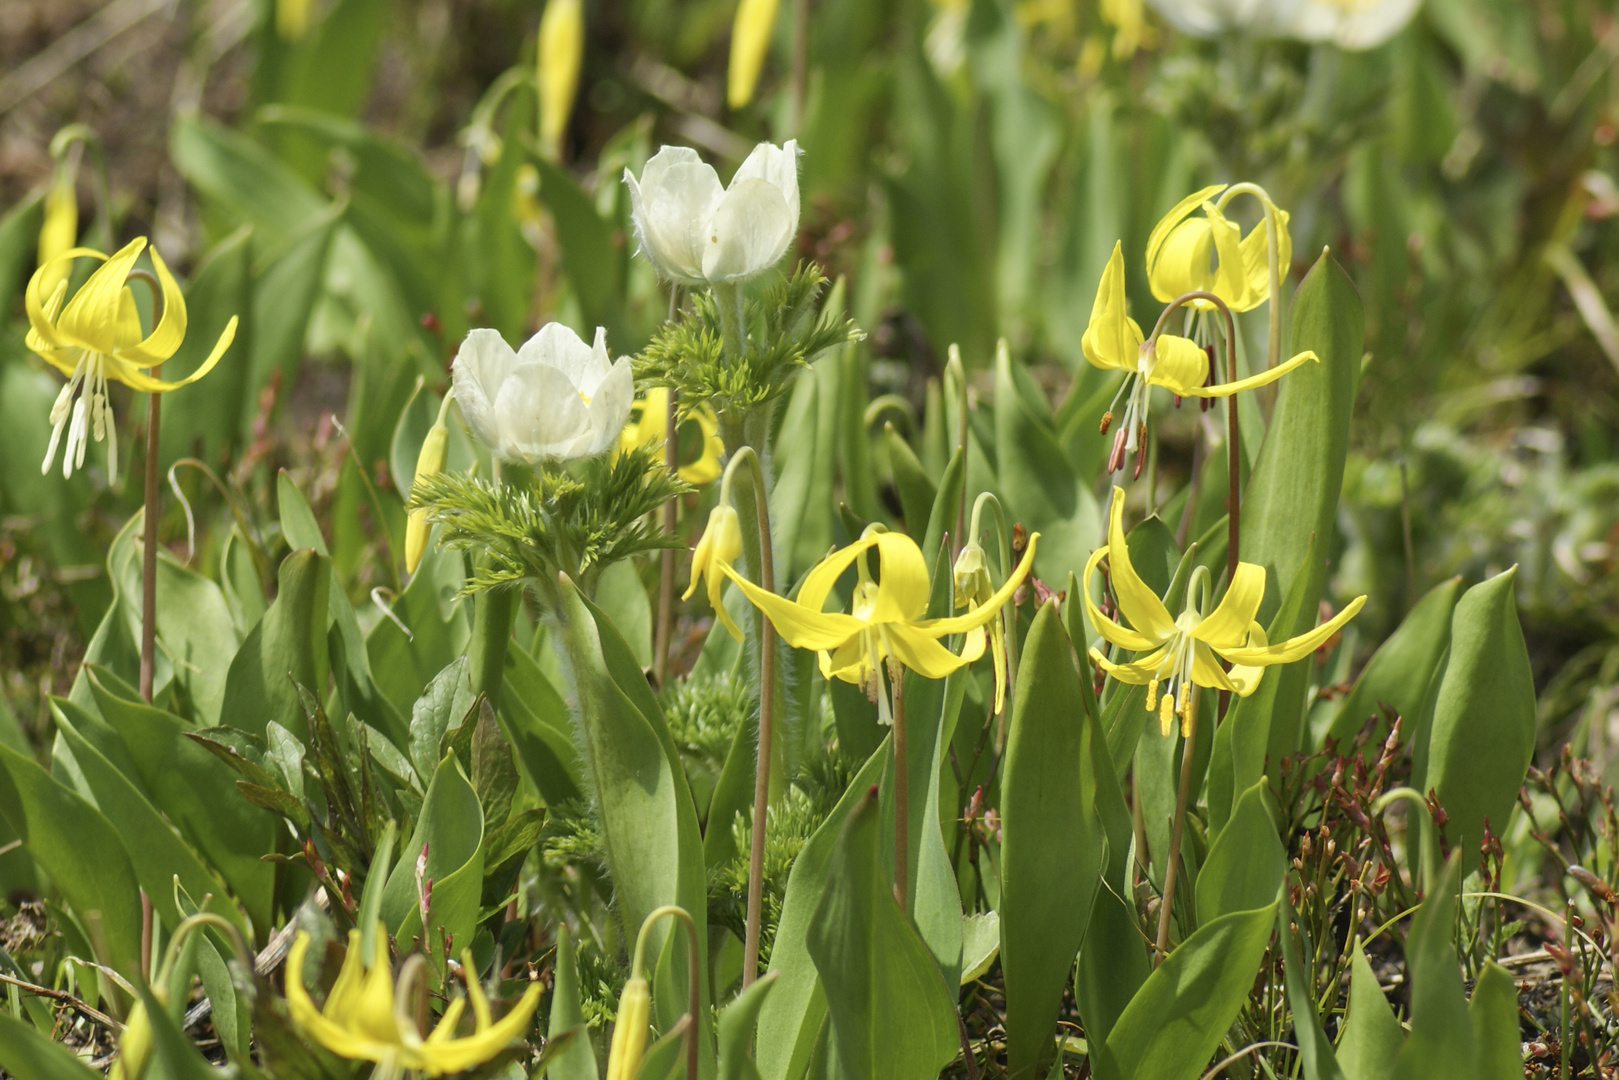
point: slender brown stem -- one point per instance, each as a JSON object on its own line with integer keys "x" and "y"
{"x": 666, "y": 578}
{"x": 146, "y": 935}
{"x": 902, "y": 794}
{"x": 1182, "y": 794}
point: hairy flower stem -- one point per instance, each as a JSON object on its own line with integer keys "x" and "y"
{"x": 766, "y": 579}
{"x": 666, "y": 578}
{"x": 154, "y": 429}
{"x": 491, "y": 632}
{"x": 1273, "y": 352}
{"x": 694, "y": 969}
{"x": 1182, "y": 794}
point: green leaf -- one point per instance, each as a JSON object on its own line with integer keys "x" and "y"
{"x": 980, "y": 944}
{"x": 1293, "y": 492}
{"x": 435, "y": 631}
{"x": 623, "y": 598}
{"x": 1052, "y": 842}
{"x": 1397, "y": 675}
{"x": 1440, "y": 1046}
{"x": 1315, "y": 1049}
{"x": 19, "y": 238}
{"x": 576, "y": 1062}
{"x": 287, "y": 646}
{"x": 28, "y": 1054}
{"x": 892, "y": 1014}
{"x": 1483, "y": 732}
{"x": 239, "y": 174}
{"x": 595, "y": 265}
{"x": 198, "y": 793}
{"x": 649, "y": 824}
{"x": 197, "y": 634}
{"x": 736, "y": 1028}
{"x": 791, "y": 1021}
{"x": 441, "y": 708}
{"x": 81, "y": 851}
{"x": 535, "y": 719}
{"x": 494, "y": 776}
{"x": 450, "y": 829}
{"x": 916, "y": 490}
{"x": 288, "y": 281}
{"x": 1372, "y": 1035}
{"x": 1246, "y": 864}
{"x": 298, "y": 524}
{"x": 1173, "y": 1024}
{"x": 158, "y": 854}
{"x": 1494, "y": 1011}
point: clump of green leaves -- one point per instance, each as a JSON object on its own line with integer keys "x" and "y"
{"x": 787, "y": 329}
{"x": 553, "y": 520}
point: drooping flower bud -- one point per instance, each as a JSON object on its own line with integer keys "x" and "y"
{"x": 629, "y": 1031}
{"x": 750, "y": 41}
{"x": 561, "y": 52}
{"x": 429, "y": 462}
{"x": 720, "y": 545}
{"x": 61, "y": 228}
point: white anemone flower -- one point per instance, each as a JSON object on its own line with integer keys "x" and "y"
{"x": 696, "y": 232}
{"x": 1348, "y": 24}
{"x": 555, "y": 399}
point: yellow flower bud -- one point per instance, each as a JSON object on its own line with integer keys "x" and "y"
{"x": 561, "y": 51}
{"x": 750, "y": 41}
{"x": 291, "y": 18}
{"x": 629, "y": 1033}
{"x": 61, "y": 229}
{"x": 429, "y": 462}
{"x": 720, "y": 545}
{"x": 135, "y": 1044}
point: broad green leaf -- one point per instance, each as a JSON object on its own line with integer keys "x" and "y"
{"x": 536, "y": 720}
{"x": 1372, "y": 1035}
{"x": 1397, "y": 675}
{"x": 240, "y": 175}
{"x": 205, "y": 419}
{"x": 28, "y": 1054}
{"x": 298, "y": 524}
{"x": 1441, "y": 1045}
{"x": 594, "y": 262}
{"x": 1293, "y": 492}
{"x": 434, "y": 631}
{"x": 980, "y": 944}
{"x": 80, "y": 850}
{"x": 442, "y": 707}
{"x": 157, "y": 853}
{"x": 197, "y": 634}
{"x": 1183, "y": 1010}
{"x": 915, "y": 487}
{"x": 623, "y": 598}
{"x": 649, "y": 825}
{"x": 892, "y": 1014}
{"x": 172, "y": 1053}
{"x": 1483, "y": 732}
{"x": 1494, "y": 1011}
{"x": 19, "y": 240}
{"x": 792, "y": 1019}
{"x": 450, "y": 834}
{"x": 1246, "y": 863}
{"x": 198, "y": 793}
{"x": 287, "y": 282}
{"x": 576, "y": 1062}
{"x": 240, "y": 584}
{"x": 287, "y": 646}
{"x": 736, "y": 1027}
{"x": 1052, "y": 842}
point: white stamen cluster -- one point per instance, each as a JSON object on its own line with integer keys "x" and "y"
{"x": 83, "y": 408}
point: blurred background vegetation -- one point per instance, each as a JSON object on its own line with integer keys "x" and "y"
{"x": 360, "y": 180}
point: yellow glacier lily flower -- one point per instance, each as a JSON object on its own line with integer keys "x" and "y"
{"x": 974, "y": 590}
{"x": 96, "y": 337}
{"x": 560, "y": 52}
{"x": 885, "y": 619}
{"x": 1210, "y": 254}
{"x": 750, "y": 42}
{"x": 649, "y": 422}
{"x": 1185, "y": 651}
{"x": 366, "y": 1017}
{"x": 1113, "y": 341}
{"x": 719, "y": 547}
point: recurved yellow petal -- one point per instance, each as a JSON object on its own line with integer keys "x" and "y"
{"x": 1137, "y": 672}
{"x": 1122, "y": 636}
{"x": 170, "y": 330}
{"x": 136, "y": 379}
{"x": 1161, "y": 231}
{"x": 824, "y": 574}
{"x": 1137, "y": 603}
{"x": 1263, "y": 378}
{"x": 960, "y": 624}
{"x": 1112, "y": 340}
{"x": 1285, "y": 652}
{"x": 90, "y": 318}
{"x": 469, "y": 1051}
{"x": 798, "y": 625}
{"x": 921, "y": 652}
{"x": 902, "y": 594}
{"x": 1226, "y": 627}
{"x": 1180, "y": 366}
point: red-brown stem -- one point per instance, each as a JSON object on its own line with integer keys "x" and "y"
{"x": 149, "y": 556}
{"x": 767, "y": 706}
{"x": 902, "y": 795}
{"x": 666, "y": 579}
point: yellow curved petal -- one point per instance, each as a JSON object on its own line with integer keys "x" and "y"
{"x": 1112, "y": 339}
{"x": 170, "y": 331}
{"x": 1122, "y": 636}
{"x": 824, "y": 574}
{"x": 444, "y": 1030}
{"x": 129, "y": 320}
{"x": 1180, "y": 366}
{"x": 340, "y": 1039}
{"x": 1206, "y": 670}
{"x": 846, "y": 662}
{"x": 1161, "y": 231}
{"x": 1256, "y": 254}
{"x": 479, "y": 1000}
{"x": 997, "y": 648}
{"x": 1227, "y": 625}
{"x": 902, "y": 593}
{"x": 1182, "y": 263}
{"x": 346, "y": 990}
{"x": 47, "y": 289}
{"x": 799, "y": 626}
{"x": 1285, "y": 652}
{"x": 373, "y": 1013}
{"x": 1264, "y": 377}
{"x": 138, "y": 380}
{"x": 960, "y": 624}
{"x": 1138, "y": 672}
{"x": 1230, "y": 278}
{"x": 1137, "y": 603}
{"x": 459, "y": 1055}
{"x": 91, "y": 317}
{"x": 972, "y": 645}
{"x": 921, "y": 652}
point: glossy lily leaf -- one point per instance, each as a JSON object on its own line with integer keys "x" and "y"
{"x": 1246, "y": 863}
{"x": 736, "y": 1028}
{"x": 29, "y": 1054}
{"x": 287, "y": 646}
{"x": 891, "y": 1013}
{"x": 576, "y": 1061}
{"x": 1372, "y": 1035}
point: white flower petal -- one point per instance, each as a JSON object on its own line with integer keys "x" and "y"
{"x": 610, "y": 406}
{"x": 481, "y": 365}
{"x": 557, "y": 346}
{"x": 751, "y": 230}
{"x": 678, "y": 213}
{"x": 777, "y": 166}
{"x": 539, "y": 414}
